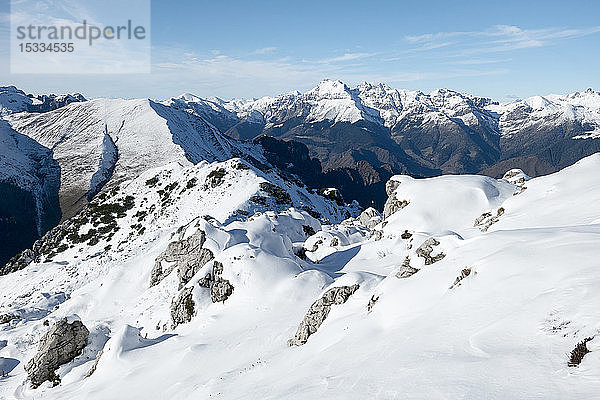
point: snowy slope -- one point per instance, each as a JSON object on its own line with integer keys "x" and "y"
{"x": 582, "y": 108}
{"x": 442, "y": 308}
{"x": 13, "y": 100}
{"x": 103, "y": 139}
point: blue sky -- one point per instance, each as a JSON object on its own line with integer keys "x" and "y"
{"x": 500, "y": 49}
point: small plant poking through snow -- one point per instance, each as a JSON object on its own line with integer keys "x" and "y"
{"x": 579, "y": 352}
{"x": 372, "y": 302}
{"x": 191, "y": 183}
{"x": 308, "y": 230}
{"x": 280, "y": 195}
{"x": 215, "y": 177}
{"x": 406, "y": 234}
{"x": 152, "y": 181}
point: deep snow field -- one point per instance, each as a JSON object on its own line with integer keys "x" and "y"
{"x": 528, "y": 290}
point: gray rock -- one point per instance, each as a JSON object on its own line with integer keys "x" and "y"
{"x": 406, "y": 270}
{"x": 376, "y": 234}
{"x": 6, "y": 318}
{"x": 318, "y": 312}
{"x": 221, "y": 289}
{"x": 369, "y": 218}
{"x": 463, "y": 274}
{"x": 487, "y": 219}
{"x": 205, "y": 282}
{"x": 425, "y": 250}
{"x": 183, "y": 307}
{"x": 60, "y": 345}
{"x": 391, "y": 186}
{"x": 191, "y": 265}
{"x": 185, "y": 254}
{"x": 93, "y": 369}
{"x": 393, "y": 205}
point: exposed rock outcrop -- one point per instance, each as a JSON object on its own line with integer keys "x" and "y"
{"x": 391, "y": 186}
{"x": 6, "y": 318}
{"x": 185, "y": 254}
{"x": 369, "y": 218}
{"x": 463, "y": 274}
{"x": 579, "y": 352}
{"x": 205, "y": 282}
{"x": 60, "y": 345}
{"x": 221, "y": 289}
{"x": 516, "y": 177}
{"x": 318, "y": 312}
{"x": 487, "y": 219}
{"x": 183, "y": 307}
{"x": 393, "y": 205}
{"x": 425, "y": 250}
{"x": 96, "y": 361}
{"x": 406, "y": 270}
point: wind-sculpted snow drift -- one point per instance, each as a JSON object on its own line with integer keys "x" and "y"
{"x": 497, "y": 316}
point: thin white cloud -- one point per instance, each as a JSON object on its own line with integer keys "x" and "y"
{"x": 264, "y": 50}
{"x": 497, "y": 38}
{"x": 478, "y": 61}
{"x": 345, "y": 57}
{"x": 229, "y": 76}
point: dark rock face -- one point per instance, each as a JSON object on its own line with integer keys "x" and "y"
{"x": 425, "y": 250}
{"x": 531, "y": 165}
{"x": 17, "y": 221}
{"x": 60, "y": 345}
{"x": 29, "y": 203}
{"x": 205, "y": 282}
{"x": 372, "y": 301}
{"x": 354, "y": 156}
{"x": 6, "y": 318}
{"x": 318, "y": 312}
{"x": 348, "y": 172}
{"x": 579, "y": 352}
{"x": 293, "y": 157}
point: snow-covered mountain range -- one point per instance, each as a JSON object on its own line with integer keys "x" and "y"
{"x": 221, "y": 280}
{"x": 182, "y": 249}
{"x": 59, "y": 151}
{"x": 373, "y": 131}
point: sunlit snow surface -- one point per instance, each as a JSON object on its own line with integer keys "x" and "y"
{"x": 505, "y": 332}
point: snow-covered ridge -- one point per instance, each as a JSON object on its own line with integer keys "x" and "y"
{"x": 13, "y": 100}
{"x": 425, "y": 287}
{"x": 334, "y": 101}
{"x": 114, "y": 139}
